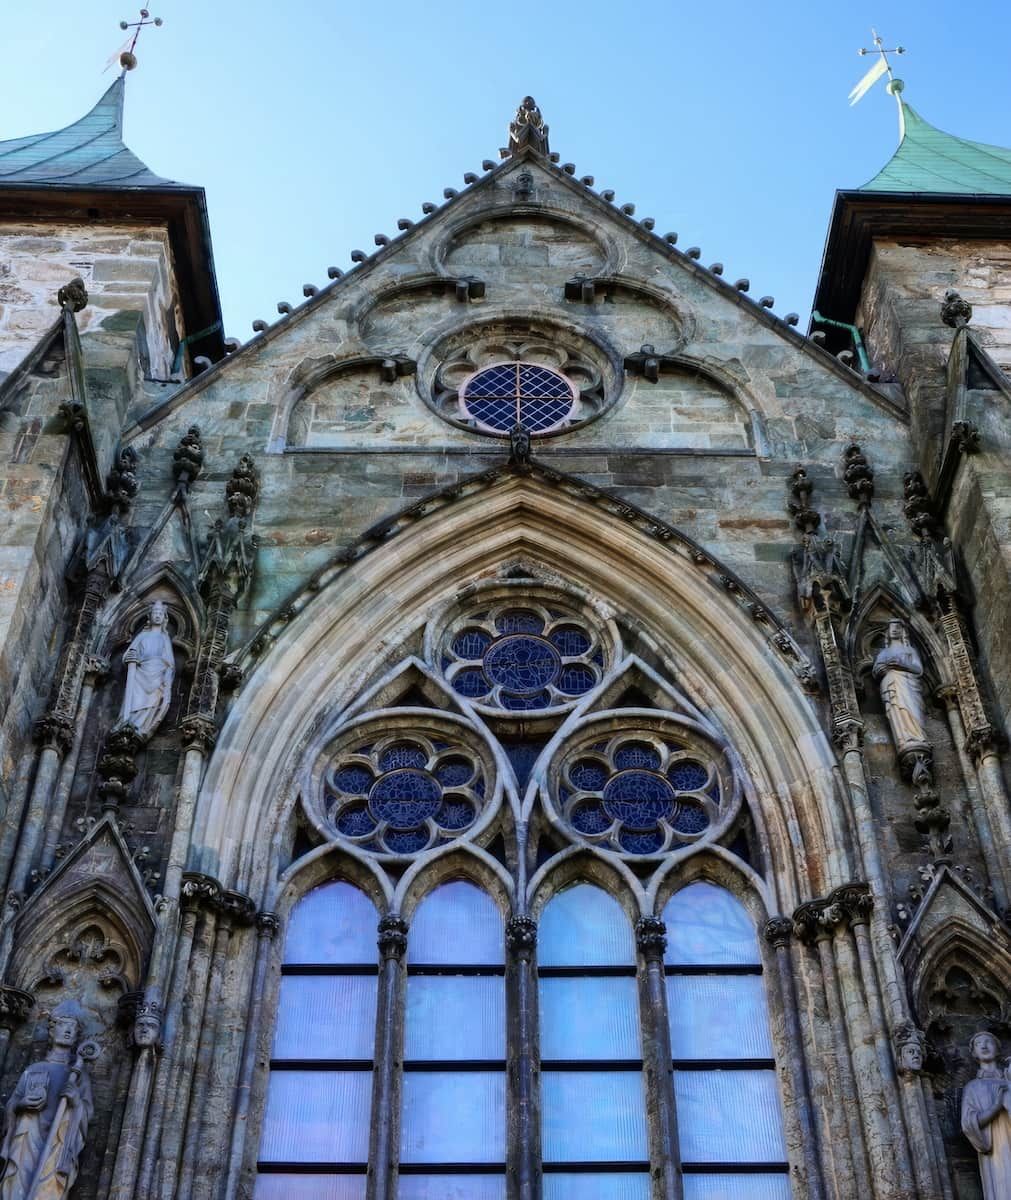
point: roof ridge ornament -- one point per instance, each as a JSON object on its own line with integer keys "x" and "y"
{"x": 125, "y": 54}
{"x": 527, "y": 130}
{"x": 881, "y": 67}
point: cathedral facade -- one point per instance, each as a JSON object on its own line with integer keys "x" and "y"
{"x": 529, "y": 723}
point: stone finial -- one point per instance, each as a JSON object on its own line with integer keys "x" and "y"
{"x": 121, "y": 482}
{"x": 242, "y": 489}
{"x": 73, "y": 296}
{"x": 188, "y": 458}
{"x": 955, "y": 311}
{"x": 917, "y": 505}
{"x": 804, "y": 516}
{"x": 858, "y": 475}
{"x": 527, "y": 130}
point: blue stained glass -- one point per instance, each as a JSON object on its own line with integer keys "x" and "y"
{"x": 598, "y": 658}
{"x": 569, "y": 641}
{"x": 455, "y": 814}
{"x": 496, "y": 414}
{"x": 471, "y": 683}
{"x": 471, "y": 644}
{"x": 641, "y": 843}
{"x": 519, "y": 620}
{"x": 714, "y": 791}
{"x": 522, "y": 664}
{"x": 688, "y": 776}
{"x": 404, "y": 755}
{"x": 637, "y": 754}
{"x": 587, "y": 775}
{"x": 452, "y": 772}
{"x": 690, "y": 819}
{"x": 540, "y": 382}
{"x": 355, "y": 822}
{"x": 638, "y": 799}
{"x": 407, "y": 841}
{"x": 353, "y": 781}
{"x": 576, "y": 680}
{"x": 525, "y": 703}
{"x": 404, "y": 799}
{"x": 590, "y": 818}
{"x": 523, "y": 755}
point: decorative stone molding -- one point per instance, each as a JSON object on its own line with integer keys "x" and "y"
{"x": 858, "y": 475}
{"x": 778, "y": 931}
{"x": 15, "y": 1006}
{"x": 188, "y": 459}
{"x": 268, "y": 924}
{"x": 527, "y": 131}
{"x": 198, "y": 891}
{"x": 849, "y": 905}
{"x": 521, "y": 935}
{"x": 955, "y": 311}
{"x": 651, "y": 938}
{"x": 392, "y": 937}
{"x": 117, "y": 766}
{"x": 198, "y": 733}
{"x": 73, "y": 296}
{"x": 805, "y": 518}
{"x": 235, "y": 907}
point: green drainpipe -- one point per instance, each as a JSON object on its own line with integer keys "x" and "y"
{"x": 177, "y": 362}
{"x": 858, "y": 341}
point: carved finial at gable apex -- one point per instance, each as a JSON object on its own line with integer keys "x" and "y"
{"x": 527, "y": 130}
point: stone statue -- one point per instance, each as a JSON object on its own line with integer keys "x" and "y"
{"x": 986, "y": 1117}
{"x": 898, "y": 670}
{"x": 909, "y": 1047}
{"x": 150, "y": 670}
{"x": 47, "y": 1118}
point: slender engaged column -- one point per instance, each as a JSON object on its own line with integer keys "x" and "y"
{"x": 383, "y": 1152}
{"x": 523, "y": 1167}
{"x": 651, "y": 940}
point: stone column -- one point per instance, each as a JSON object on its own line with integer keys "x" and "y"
{"x": 523, "y": 1167}
{"x": 801, "y": 1127}
{"x": 267, "y": 925}
{"x": 665, "y": 1157}
{"x": 384, "y": 1142}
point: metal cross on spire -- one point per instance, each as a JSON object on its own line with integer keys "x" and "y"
{"x": 881, "y": 67}
{"x": 125, "y": 54}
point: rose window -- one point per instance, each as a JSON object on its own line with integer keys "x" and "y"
{"x": 404, "y": 793}
{"x": 523, "y": 658}
{"x": 641, "y": 793}
{"x": 507, "y": 394}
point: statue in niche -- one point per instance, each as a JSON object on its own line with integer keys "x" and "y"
{"x": 986, "y": 1117}
{"x": 150, "y": 670}
{"x": 48, "y": 1115}
{"x": 898, "y": 669}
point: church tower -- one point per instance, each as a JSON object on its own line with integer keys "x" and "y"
{"x": 529, "y": 724}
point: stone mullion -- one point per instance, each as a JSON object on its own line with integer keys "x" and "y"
{"x": 808, "y": 927}
{"x": 384, "y": 1142}
{"x": 801, "y": 1128}
{"x": 661, "y": 1107}
{"x": 523, "y": 1166}
{"x": 131, "y": 1132}
{"x": 15, "y": 810}
{"x": 267, "y": 926}
{"x": 203, "y": 698}
{"x": 184, "y": 1059}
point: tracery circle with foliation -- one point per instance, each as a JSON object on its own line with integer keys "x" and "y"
{"x": 523, "y": 651}
{"x": 398, "y": 784}
{"x": 641, "y": 786}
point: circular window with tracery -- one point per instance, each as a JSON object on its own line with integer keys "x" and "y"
{"x": 499, "y": 397}
{"x": 404, "y": 792}
{"x": 641, "y": 792}
{"x": 520, "y": 656}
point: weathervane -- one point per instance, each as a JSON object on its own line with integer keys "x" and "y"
{"x": 881, "y": 67}
{"x": 127, "y": 58}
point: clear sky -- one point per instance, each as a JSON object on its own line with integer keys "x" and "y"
{"x": 315, "y": 124}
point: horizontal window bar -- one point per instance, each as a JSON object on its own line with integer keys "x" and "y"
{"x": 736, "y": 1168}
{"x": 585, "y": 972}
{"x": 321, "y": 1064}
{"x": 406, "y": 1168}
{"x": 713, "y": 969}
{"x": 441, "y": 969}
{"x": 586, "y": 1168}
{"x": 329, "y": 969}
{"x": 454, "y": 1064}
{"x": 311, "y": 1168}
{"x": 591, "y": 1064}
{"x": 724, "y": 1064}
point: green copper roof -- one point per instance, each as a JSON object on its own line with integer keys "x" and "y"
{"x": 89, "y": 153}
{"x": 929, "y": 160}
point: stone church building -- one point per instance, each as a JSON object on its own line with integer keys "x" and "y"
{"x": 530, "y": 723}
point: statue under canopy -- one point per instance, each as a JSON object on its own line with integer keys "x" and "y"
{"x": 986, "y": 1117}
{"x": 47, "y": 1117}
{"x": 150, "y": 670}
{"x": 898, "y": 669}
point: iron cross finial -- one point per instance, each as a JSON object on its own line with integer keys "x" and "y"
{"x": 127, "y": 58}
{"x": 881, "y": 67}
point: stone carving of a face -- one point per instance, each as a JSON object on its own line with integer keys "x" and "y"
{"x": 159, "y": 613}
{"x": 911, "y": 1056}
{"x": 984, "y": 1048}
{"x": 64, "y": 1031}
{"x": 146, "y": 1031}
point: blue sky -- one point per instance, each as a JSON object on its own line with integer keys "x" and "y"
{"x": 315, "y": 124}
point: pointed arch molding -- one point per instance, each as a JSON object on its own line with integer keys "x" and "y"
{"x": 730, "y": 655}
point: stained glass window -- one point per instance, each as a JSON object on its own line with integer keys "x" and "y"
{"x": 592, "y": 1102}
{"x": 507, "y": 394}
{"x": 729, "y": 1119}
{"x": 320, "y": 1086}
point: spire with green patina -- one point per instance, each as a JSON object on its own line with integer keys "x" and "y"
{"x": 931, "y": 161}
{"x": 90, "y": 153}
